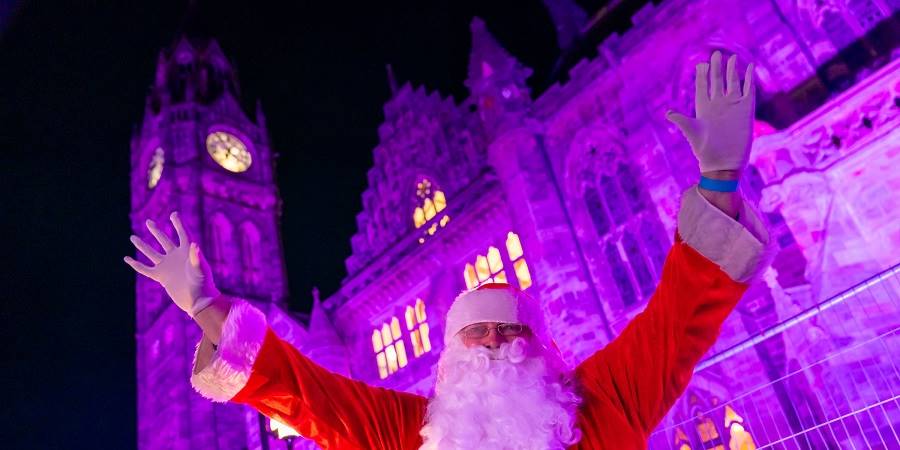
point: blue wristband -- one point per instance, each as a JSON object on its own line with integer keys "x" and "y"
{"x": 718, "y": 185}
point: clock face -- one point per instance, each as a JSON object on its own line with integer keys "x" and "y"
{"x": 227, "y": 150}
{"x": 154, "y": 171}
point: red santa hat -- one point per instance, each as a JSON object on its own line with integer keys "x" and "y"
{"x": 492, "y": 302}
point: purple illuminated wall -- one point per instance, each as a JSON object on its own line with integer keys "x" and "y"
{"x": 587, "y": 176}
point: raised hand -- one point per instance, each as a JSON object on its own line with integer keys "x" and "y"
{"x": 180, "y": 269}
{"x": 720, "y": 135}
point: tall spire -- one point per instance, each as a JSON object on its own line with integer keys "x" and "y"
{"x": 496, "y": 80}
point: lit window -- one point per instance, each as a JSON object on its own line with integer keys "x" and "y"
{"x": 418, "y": 328}
{"x": 390, "y": 352}
{"x": 514, "y": 249}
{"x": 490, "y": 268}
{"x": 154, "y": 172}
{"x": 739, "y": 437}
{"x": 432, "y": 203}
{"x": 681, "y": 439}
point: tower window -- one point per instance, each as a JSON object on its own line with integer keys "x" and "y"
{"x": 429, "y": 210}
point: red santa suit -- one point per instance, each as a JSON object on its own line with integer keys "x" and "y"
{"x": 626, "y": 387}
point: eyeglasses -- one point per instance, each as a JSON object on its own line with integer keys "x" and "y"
{"x": 479, "y": 331}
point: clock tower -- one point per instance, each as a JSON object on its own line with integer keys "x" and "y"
{"x": 199, "y": 153}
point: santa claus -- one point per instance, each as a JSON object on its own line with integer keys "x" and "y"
{"x": 500, "y": 382}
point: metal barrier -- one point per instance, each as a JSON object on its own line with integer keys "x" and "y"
{"x": 839, "y": 389}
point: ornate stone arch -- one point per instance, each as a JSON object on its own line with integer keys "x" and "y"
{"x": 595, "y": 149}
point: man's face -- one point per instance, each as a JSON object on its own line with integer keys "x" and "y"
{"x": 492, "y": 334}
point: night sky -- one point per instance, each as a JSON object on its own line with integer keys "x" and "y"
{"x": 73, "y": 81}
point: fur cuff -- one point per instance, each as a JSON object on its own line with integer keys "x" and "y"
{"x": 229, "y": 369}
{"x": 741, "y": 248}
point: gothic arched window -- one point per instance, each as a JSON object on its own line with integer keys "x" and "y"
{"x": 390, "y": 352}
{"x": 620, "y": 273}
{"x": 492, "y": 267}
{"x": 418, "y": 329}
{"x": 430, "y": 205}
{"x": 222, "y": 232}
{"x": 250, "y": 253}
{"x": 620, "y": 210}
{"x": 596, "y": 210}
{"x": 638, "y": 264}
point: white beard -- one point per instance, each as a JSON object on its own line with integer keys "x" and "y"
{"x": 504, "y": 399}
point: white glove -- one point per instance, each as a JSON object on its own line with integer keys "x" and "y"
{"x": 720, "y": 135}
{"x": 182, "y": 271}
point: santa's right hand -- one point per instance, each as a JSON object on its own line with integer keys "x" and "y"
{"x": 180, "y": 269}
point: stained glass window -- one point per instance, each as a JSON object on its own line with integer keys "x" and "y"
{"x": 432, "y": 203}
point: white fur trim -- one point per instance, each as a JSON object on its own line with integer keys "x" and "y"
{"x": 242, "y": 336}
{"x": 483, "y": 305}
{"x": 741, "y": 248}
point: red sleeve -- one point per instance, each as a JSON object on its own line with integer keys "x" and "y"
{"x": 255, "y": 367}
{"x": 332, "y": 410}
{"x": 646, "y": 368}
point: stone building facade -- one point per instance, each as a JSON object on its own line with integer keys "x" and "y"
{"x": 570, "y": 194}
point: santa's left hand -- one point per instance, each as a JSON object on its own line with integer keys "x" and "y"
{"x": 720, "y": 135}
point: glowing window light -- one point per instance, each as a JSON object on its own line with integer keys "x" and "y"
{"x": 470, "y": 277}
{"x": 522, "y": 274}
{"x": 440, "y": 201}
{"x": 681, "y": 438}
{"x": 154, "y": 172}
{"x": 419, "y": 217}
{"x": 426, "y": 341}
{"x": 739, "y": 437}
{"x": 420, "y": 310}
{"x": 432, "y": 203}
{"x": 495, "y": 262}
{"x": 513, "y": 246}
{"x": 490, "y": 268}
{"x": 501, "y": 278}
{"x": 281, "y": 429}
{"x": 390, "y": 351}
{"x": 429, "y": 209}
{"x": 395, "y": 328}
{"x": 418, "y": 328}
{"x": 482, "y": 269}
{"x": 377, "y": 345}
{"x": 401, "y": 353}
{"x": 382, "y": 365}
{"x": 410, "y": 318}
{"x": 706, "y": 429}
